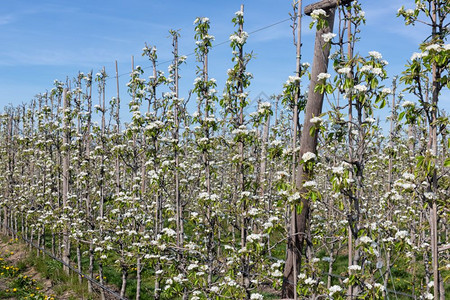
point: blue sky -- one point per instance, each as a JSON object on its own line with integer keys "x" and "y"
{"x": 47, "y": 40}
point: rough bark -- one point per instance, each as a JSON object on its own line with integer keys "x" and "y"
{"x": 325, "y": 5}
{"x": 299, "y": 220}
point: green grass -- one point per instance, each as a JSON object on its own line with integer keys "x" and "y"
{"x": 63, "y": 283}
{"x": 400, "y": 280}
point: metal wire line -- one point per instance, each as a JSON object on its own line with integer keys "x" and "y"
{"x": 213, "y": 46}
{"x": 85, "y": 276}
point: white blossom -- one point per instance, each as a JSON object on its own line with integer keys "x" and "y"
{"x": 409, "y": 11}
{"x": 344, "y": 70}
{"x": 239, "y": 13}
{"x": 366, "y": 68}
{"x": 338, "y": 170}
{"x": 334, "y": 289}
{"x": 375, "y": 54}
{"x": 308, "y": 156}
{"x": 323, "y": 76}
{"x": 377, "y": 71}
{"x": 419, "y": 55}
{"x": 386, "y": 91}
{"x": 277, "y": 273}
{"x": 253, "y": 211}
{"x": 310, "y": 184}
{"x": 253, "y": 237}
{"x": 401, "y": 234}
{"x": 328, "y": 36}
{"x": 310, "y": 281}
{"x": 408, "y": 176}
{"x": 317, "y": 13}
{"x": 354, "y": 268}
{"x": 169, "y": 232}
{"x": 268, "y": 225}
{"x": 365, "y": 239}
{"x": 265, "y": 105}
{"x": 360, "y": 88}
{"x": 316, "y": 120}
{"x": 256, "y": 296}
{"x": 239, "y": 39}
{"x": 292, "y": 79}
{"x": 429, "y": 195}
{"x": 294, "y": 197}
{"x": 434, "y": 47}
{"x": 408, "y": 104}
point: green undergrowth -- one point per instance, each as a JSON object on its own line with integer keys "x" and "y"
{"x": 14, "y": 281}
{"x": 400, "y": 277}
{"x": 21, "y": 286}
{"x": 63, "y": 284}
{"x": 29, "y": 276}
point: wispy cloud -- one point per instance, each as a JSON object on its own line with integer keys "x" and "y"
{"x": 17, "y": 13}
{"x": 6, "y": 19}
{"x": 385, "y": 19}
{"x": 379, "y": 13}
{"x": 60, "y": 57}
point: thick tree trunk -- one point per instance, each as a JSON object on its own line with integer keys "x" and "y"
{"x": 308, "y": 143}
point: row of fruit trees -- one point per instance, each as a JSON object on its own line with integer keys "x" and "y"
{"x": 199, "y": 204}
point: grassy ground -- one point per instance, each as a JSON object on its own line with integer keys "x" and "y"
{"x": 24, "y": 275}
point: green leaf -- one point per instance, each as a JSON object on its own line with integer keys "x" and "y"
{"x": 318, "y": 88}
{"x": 447, "y": 162}
{"x": 329, "y": 89}
{"x": 300, "y": 208}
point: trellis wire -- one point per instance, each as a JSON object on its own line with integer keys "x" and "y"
{"x": 85, "y": 276}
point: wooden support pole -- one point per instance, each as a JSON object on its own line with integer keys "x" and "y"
{"x": 325, "y": 5}
{"x": 66, "y": 145}
{"x": 308, "y": 143}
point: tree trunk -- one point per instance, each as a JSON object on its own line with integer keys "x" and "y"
{"x": 138, "y": 278}
{"x": 124, "y": 281}
{"x": 300, "y": 220}
{"x": 65, "y": 192}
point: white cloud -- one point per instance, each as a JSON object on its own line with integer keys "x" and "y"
{"x": 6, "y": 19}
{"x": 59, "y": 57}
